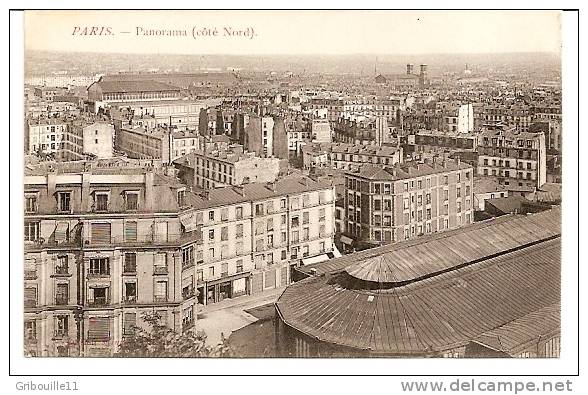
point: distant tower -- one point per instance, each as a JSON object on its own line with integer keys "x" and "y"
{"x": 423, "y": 75}
{"x": 409, "y": 68}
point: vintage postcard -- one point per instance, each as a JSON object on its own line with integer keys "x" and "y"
{"x": 266, "y": 184}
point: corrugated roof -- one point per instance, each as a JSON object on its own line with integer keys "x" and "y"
{"x": 517, "y": 334}
{"x": 424, "y": 255}
{"x": 436, "y": 314}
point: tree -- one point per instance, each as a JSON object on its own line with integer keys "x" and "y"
{"x": 160, "y": 341}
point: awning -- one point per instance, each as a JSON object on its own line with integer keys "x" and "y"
{"x": 346, "y": 240}
{"x": 315, "y": 259}
{"x": 188, "y": 221}
{"x": 61, "y": 232}
{"x": 224, "y": 279}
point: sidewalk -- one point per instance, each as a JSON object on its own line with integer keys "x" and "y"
{"x": 227, "y": 316}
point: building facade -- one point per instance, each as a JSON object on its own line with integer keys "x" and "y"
{"x": 388, "y": 204}
{"x": 513, "y": 158}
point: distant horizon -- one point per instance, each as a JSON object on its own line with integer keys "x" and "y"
{"x": 556, "y": 53}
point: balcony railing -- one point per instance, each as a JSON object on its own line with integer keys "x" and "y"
{"x": 157, "y": 298}
{"x": 188, "y": 263}
{"x": 61, "y": 301}
{"x": 130, "y": 299}
{"x": 99, "y": 301}
{"x": 61, "y": 270}
{"x": 30, "y": 303}
{"x": 30, "y": 274}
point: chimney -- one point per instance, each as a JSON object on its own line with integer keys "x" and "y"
{"x": 149, "y": 189}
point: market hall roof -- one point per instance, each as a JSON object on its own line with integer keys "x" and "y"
{"x": 442, "y": 310}
{"x": 134, "y": 86}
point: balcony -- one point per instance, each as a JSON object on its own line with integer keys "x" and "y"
{"x": 61, "y": 271}
{"x": 61, "y": 301}
{"x": 99, "y": 301}
{"x": 130, "y": 299}
{"x": 158, "y": 298}
{"x": 30, "y": 303}
{"x": 30, "y": 274}
{"x": 99, "y": 275}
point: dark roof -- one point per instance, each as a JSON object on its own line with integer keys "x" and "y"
{"x": 134, "y": 86}
{"x": 407, "y": 170}
{"x": 432, "y": 315}
{"x": 506, "y": 205}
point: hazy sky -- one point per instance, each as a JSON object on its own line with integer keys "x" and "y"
{"x": 300, "y": 32}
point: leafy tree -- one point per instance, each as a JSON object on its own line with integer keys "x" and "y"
{"x": 160, "y": 341}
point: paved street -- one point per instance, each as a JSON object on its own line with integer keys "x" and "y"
{"x": 229, "y": 315}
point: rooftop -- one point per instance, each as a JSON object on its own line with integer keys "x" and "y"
{"x": 407, "y": 170}
{"x": 458, "y": 283}
{"x": 134, "y": 86}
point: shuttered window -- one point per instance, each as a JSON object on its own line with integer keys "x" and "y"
{"x": 62, "y": 294}
{"x": 131, "y": 231}
{"x": 99, "y": 329}
{"x": 129, "y": 323}
{"x": 30, "y": 297}
{"x": 160, "y": 293}
{"x": 100, "y": 233}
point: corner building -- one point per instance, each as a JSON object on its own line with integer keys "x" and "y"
{"x": 390, "y": 204}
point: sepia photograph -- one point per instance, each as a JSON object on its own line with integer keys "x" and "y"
{"x": 277, "y": 205}
{"x": 262, "y": 186}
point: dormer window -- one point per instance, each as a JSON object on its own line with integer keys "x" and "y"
{"x": 181, "y": 194}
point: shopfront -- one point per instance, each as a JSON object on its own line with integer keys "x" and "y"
{"x": 224, "y": 288}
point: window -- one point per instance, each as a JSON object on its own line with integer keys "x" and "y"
{"x": 420, "y": 200}
{"x": 295, "y": 221}
{"x": 377, "y": 220}
{"x": 31, "y": 231}
{"x": 131, "y": 201}
{"x": 211, "y": 235}
{"x": 240, "y": 266}
{"x": 294, "y": 236}
{"x": 129, "y": 323}
{"x": 31, "y": 203}
{"x": 130, "y": 291}
{"x": 377, "y": 204}
{"x": 130, "y": 265}
{"x": 160, "y": 291}
{"x": 322, "y": 215}
{"x": 211, "y": 215}
{"x": 200, "y": 275}
{"x": 259, "y": 209}
{"x": 160, "y": 264}
{"x": 239, "y": 212}
{"x": 445, "y": 194}
{"x": 187, "y": 257}
{"x": 211, "y": 272}
{"x": 406, "y": 203}
{"x": 62, "y": 265}
{"x": 458, "y": 192}
{"x": 459, "y": 207}
{"x": 99, "y": 329}
{"x": 445, "y": 180}
{"x": 211, "y": 253}
{"x": 61, "y": 326}
{"x": 188, "y": 317}
{"x": 98, "y": 296}
{"x": 99, "y": 266}
{"x": 181, "y": 195}
{"x": 387, "y": 220}
{"x": 284, "y": 255}
{"x": 306, "y": 217}
{"x": 283, "y": 203}
{"x": 62, "y": 294}
{"x": 224, "y": 233}
{"x": 322, "y": 231}
{"x": 101, "y": 201}
{"x": 305, "y": 200}
{"x": 239, "y": 231}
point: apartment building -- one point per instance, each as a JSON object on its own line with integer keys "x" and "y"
{"x": 345, "y": 156}
{"x": 142, "y": 142}
{"x": 389, "y": 204}
{"x": 102, "y": 246}
{"x": 432, "y": 141}
{"x": 266, "y": 136}
{"x": 215, "y": 168}
{"x": 45, "y": 135}
{"x": 252, "y": 235}
{"x": 514, "y": 158}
